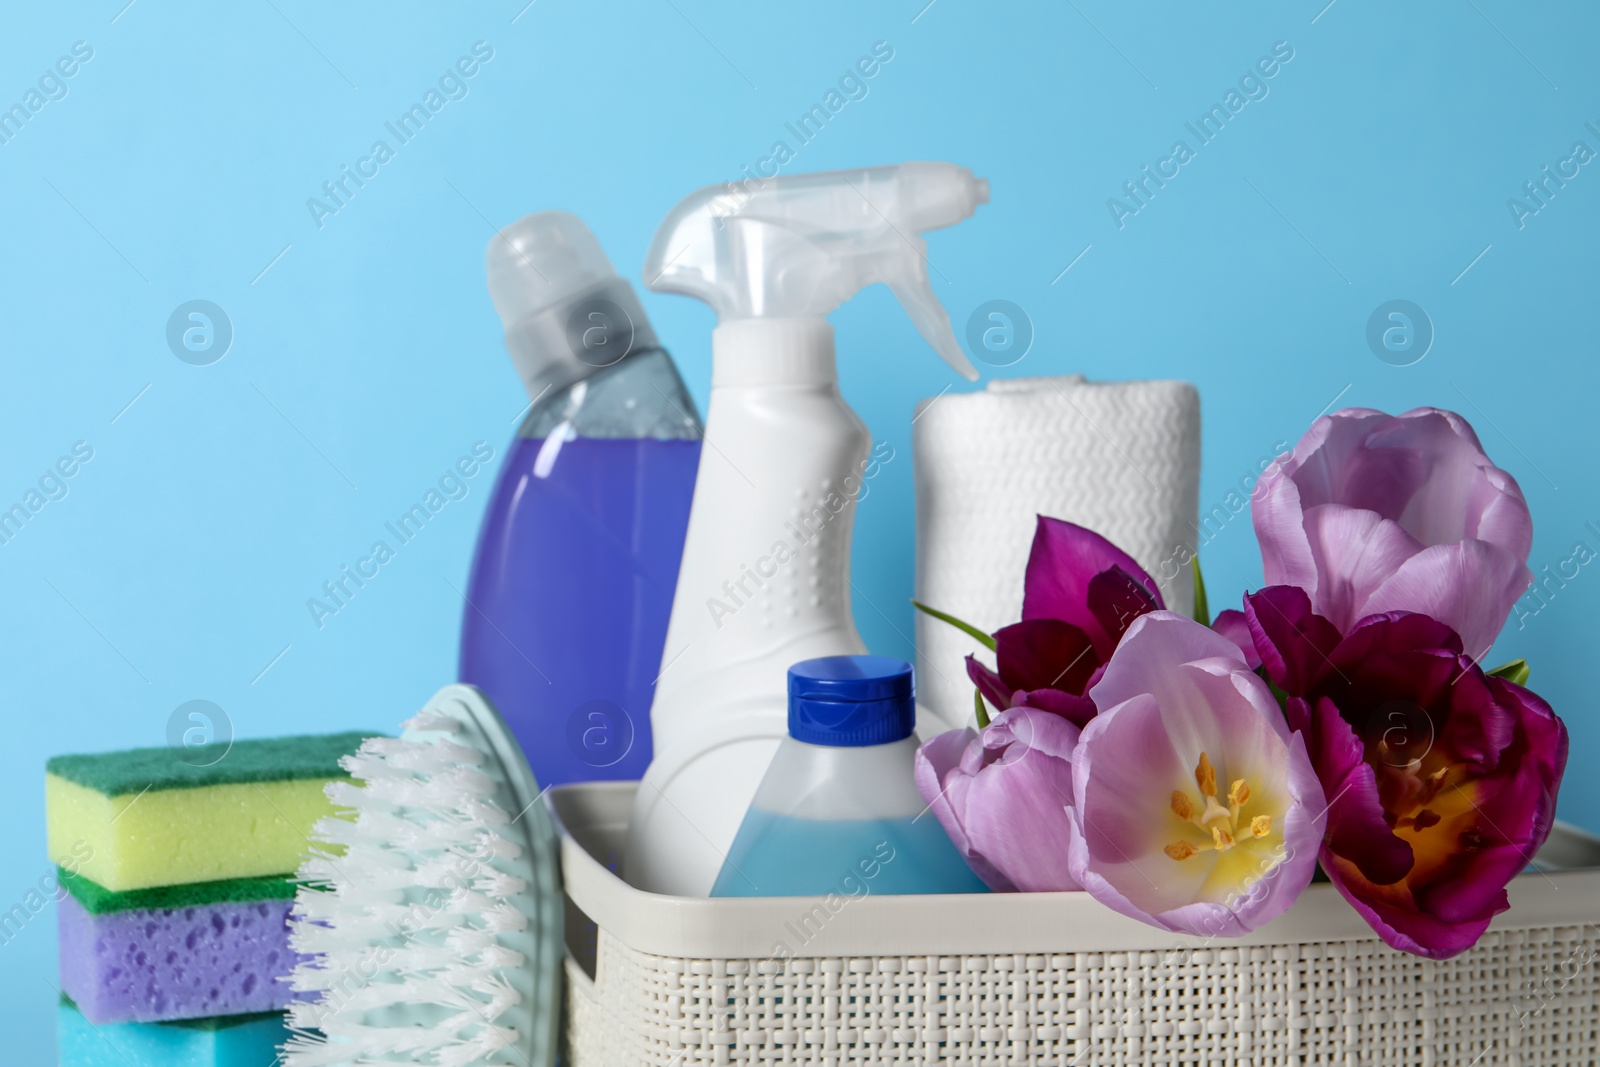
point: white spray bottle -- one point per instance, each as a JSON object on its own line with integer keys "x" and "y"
{"x": 765, "y": 577}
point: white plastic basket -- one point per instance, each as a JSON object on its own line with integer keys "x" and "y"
{"x": 1055, "y": 979}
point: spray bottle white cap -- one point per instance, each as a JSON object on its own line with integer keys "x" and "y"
{"x": 765, "y": 580}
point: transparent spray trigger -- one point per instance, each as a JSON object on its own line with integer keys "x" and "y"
{"x": 800, "y": 245}
{"x": 930, "y": 318}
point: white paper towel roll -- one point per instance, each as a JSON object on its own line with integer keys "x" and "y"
{"x": 1122, "y": 458}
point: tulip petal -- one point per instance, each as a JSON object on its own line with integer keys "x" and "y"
{"x": 1356, "y": 551}
{"x": 1120, "y": 810}
{"x": 1305, "y": 824}
{"x": 944, "y": 772}
{"x": 1521, "y": 793}
{"x": 1232, "y": 625}
{"x": 1116, "y": 598}
{"x": 1397, "y": 631}
{"x": 1044, "y": 654}
{"x": 1502, "y": 513}
{"x": 1162, "y": 637}
{"x": 1460, "y": 494}
{"x": 1063, "y": 561}
{"x": 1294, "y": 642}
{"x": 1365, "y": 459}
{"x": 1373, "y": 514}
{"x": 1077, "y": 710}
{"x": 1308, "y": 476}
{"x": 1469, "y": 586}
{"x": 1275, "y": 512}
{"x": 1016, "y": 816}
{"x": 1001, "y": 796}
{"x": 1395, "y": 918}
{"x": 1356, "y": 828}
{"x": 936, "y": 773}
{"x": 994, "y": 690}
{"x": 1379, "y": 463}
{"x": 1544, "y": 735}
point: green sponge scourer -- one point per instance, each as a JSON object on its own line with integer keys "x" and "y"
{"x": 151, "y": 817}
{"x": 272, "y": 759}
{"x": 98, "y": 900}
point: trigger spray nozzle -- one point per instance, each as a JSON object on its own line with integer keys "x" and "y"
{"x": 797, "y": 247}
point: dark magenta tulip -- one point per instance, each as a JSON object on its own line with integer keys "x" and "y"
{"x": 1080, "y": 595}
{"x": 1442, "y": 778}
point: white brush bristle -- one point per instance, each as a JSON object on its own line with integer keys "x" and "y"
{"x": 409, "y": 904}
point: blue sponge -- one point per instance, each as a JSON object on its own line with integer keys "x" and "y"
{"x": 226, "y": 1041}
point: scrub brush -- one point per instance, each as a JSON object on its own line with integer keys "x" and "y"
{"x": 432, "y": 910}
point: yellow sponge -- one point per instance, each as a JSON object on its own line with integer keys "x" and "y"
{"x": 132, "y": 820}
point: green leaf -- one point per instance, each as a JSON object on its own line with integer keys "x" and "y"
{"x": 1515, "y": 672}
{"x": 965, "y": 627}
{"x": 1277, "y": 694}
{"x": 1202, "y": 608}
{"x": 983, "y": 712}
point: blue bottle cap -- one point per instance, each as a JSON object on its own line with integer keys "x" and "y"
{"x": 851, "y": 701}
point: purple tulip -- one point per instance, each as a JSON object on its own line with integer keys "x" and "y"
{"x": 1443, "y": 777}
{"x": 1232, "y": 625}
{"x": 1080, "y": 594}
{"x": 1194, "y": 807}
{"x": 1375, "y": 513}
{"x": 1002, "y": 795}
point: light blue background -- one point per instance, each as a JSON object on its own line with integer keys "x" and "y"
{"x": 367, "y": 358}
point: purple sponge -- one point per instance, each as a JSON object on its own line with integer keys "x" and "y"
{"x": 158, "y": 964}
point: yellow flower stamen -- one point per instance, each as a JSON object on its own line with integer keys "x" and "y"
{"x": 1223, "y": 825}
{"x": 1205, "y": 776}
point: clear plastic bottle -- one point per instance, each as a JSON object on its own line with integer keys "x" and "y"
{"x": 838, "y": 810}
{"x": 577, "y": 560}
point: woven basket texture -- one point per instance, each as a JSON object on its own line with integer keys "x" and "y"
{"x": 1521, "y": 997}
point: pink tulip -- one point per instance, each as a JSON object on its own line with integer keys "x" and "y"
{"x": 1375, "y": 513}
{"x": 1002, "y": 796}
{"x": 1194, "y": 808}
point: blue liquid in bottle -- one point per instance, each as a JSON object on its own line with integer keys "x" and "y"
{"x": 838, "y": 810}
{"x": 784, "y": 855}
{"x": 576, "y": 565}
{"x": 573, "y": 578}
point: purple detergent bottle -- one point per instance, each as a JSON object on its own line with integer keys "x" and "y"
{"x": 576, "y": 564}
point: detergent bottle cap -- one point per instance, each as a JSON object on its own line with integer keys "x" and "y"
{"x": 566, "y": 313}
{"x": 851, "y": 701}
{"x": 773, "y": 257}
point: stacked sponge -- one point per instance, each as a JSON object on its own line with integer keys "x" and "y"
{"x": 177, "y": 867}
{"x": 235, "y": 1041}
{"x": 177, "y": 952}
